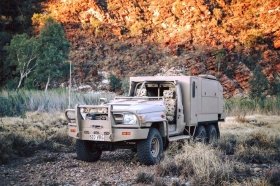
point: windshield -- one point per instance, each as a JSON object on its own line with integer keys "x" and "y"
{"x": 150, "y": 89}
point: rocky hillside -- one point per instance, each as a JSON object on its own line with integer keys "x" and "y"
{"x": 225, "y": 38}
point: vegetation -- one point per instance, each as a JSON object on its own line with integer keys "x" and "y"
{"x": 258, "y": 84}
{"x": 16, "y": 103}
{"x": 115, "y": 83}
{"x": 245, "y": 106}
{"x": 23, "y": 136}
{"x": 39, "y": 60}
{"x": 23, "y": 53}
{"x": 54, "y": 49}
{"x": 230, "y": 161}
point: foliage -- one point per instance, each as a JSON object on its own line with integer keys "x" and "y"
{"x": 114, "y": 82}
{"x": 22, "y": 53}
{"x": 244, "y": 106}
{"x": 54, "y": 49}
{"x": 16, "y": 103}
{"x": 24, "y": 136}
{"x": 275, "y": 87}
{"x": 220, "y": 59}
{"x": 258, "y": 84}
{"x": 5, "y": 71}
{"x": 125, "y": 86}
{"x": 15, "y": 15}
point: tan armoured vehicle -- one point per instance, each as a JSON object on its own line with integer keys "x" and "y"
{"x": 158, "y": 110}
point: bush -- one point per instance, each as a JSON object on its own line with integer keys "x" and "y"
{"x": 242, "y": 106}
{"x": 145, "y": 178}
{"x": 16, "y": 103}
{"x": 199, "y": 163}
{"x": 273, "y": 176}
{"x": 258, "y": 84}
{"x": 115, "y": 83}
{"x": 5, "y": 107}
{"x": 22, "y": 137}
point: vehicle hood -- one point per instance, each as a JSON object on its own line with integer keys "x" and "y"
{"x": 137, "y": 106}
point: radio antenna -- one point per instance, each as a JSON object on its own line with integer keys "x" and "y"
{"x": 70, "y": 85}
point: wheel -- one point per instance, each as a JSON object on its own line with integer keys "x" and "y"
{"x": 149, "y": 151}
{"x": 200, "y": 134}
{"x": 86, "y": 152}
{"x": 212, "y": 134}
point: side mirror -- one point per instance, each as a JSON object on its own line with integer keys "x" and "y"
{"x": 103, "y": 101}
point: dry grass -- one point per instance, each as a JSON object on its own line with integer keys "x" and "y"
{"x": 145, "y": 178}
{"x": 24, "y": 136}
{"x": 254, "y": 141}
{"x": 199, "y": 163}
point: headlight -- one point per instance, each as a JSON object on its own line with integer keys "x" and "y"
{"x": 102, "y": 110}
{"x": 129, "y": 119}
{"x": 83, "y": 110}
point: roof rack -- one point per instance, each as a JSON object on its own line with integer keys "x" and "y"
{"x": 206, "y": 76}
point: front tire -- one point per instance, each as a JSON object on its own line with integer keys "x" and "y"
{"x": 149, "y": 151}
{"x": 86, "y": 151}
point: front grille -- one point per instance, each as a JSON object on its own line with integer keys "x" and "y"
{"x": 92, "y": 116}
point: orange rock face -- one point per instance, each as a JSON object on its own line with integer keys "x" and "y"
{"x": 223, "y": 38}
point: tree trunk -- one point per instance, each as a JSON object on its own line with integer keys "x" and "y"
{"x": 20, "y": 82}
{"x": 47, "y": 84}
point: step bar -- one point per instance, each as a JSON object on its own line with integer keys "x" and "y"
{"x": 181, "y": 137}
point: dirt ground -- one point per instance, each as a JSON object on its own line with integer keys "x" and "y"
{"x": 47, "y": 168}
{"x": 121, "y": 167}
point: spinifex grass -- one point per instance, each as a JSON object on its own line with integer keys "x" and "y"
{"x": 14, "y": 103}
{"x": 244, "y": 106}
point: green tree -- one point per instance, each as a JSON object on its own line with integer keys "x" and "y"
{"x": 258, "y": 84}
{"x": 114, "y": 82}
{"x": 54, "y": 50}
{"x": 22, "y": 52}
{"x": 275, "y": 87}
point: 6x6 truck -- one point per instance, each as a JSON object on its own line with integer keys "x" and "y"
{"x": 157, "y": 111}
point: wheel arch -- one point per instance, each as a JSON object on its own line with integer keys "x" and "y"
{"x": 163, "y": 130}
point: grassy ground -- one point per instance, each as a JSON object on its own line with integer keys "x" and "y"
{"x": 248, "y": 153}
{"x": 23, "y": 136}
{"x": 17, "y": 103}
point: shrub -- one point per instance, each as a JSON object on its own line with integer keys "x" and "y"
{"x": 199, "y": 163}
{"x": 5, "y": 107}
{"x": 114, "y": 82}
{"x": 258, "y": 84}
{"x": 242, "y": 106}
{"x": 273, "y": 176}
{"x": 22, "y": 137}
{"x": 16, "y": 103}
{"x": 145, "y": 178}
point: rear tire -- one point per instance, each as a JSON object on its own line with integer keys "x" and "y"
{"x": 149, "y": 151}
{"x": 201, "y": 134}
{"x": 86, "y": 151}
{"x": 212, "y": 134}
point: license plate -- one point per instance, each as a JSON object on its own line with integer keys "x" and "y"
{"x": 97, "y": 137}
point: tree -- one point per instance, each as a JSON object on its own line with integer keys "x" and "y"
{"x": 54, "y": 50}
{"x": 258, "y": 84}
{"x": 22, "y": 52}
{"x": 114, "y": 82}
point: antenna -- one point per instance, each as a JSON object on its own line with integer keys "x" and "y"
{"x": 70, "y": 84}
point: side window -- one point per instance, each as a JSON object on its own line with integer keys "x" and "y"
{"x": 193, "y": 89}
